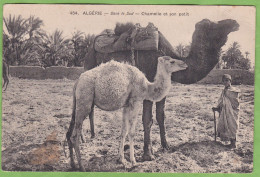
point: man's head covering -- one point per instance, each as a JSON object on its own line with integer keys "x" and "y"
{"x": 226, "y": 76}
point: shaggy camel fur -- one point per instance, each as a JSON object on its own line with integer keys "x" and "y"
{"x": 112, "y": 86}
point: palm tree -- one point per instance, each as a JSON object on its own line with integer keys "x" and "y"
{"x": 34, "y": 27}
{"x": 182, "y": 50}
{"x": 35, "y": 36}
{"x": 221, "y": 63}
{"x": 80, "y": 44}
{"x": 55, "y": 49}
{"x": 16, "y": 27}
{"x": 233, "y": 54}
{"x": 23, "y": 35}
{"x": 89, "y": 40}
{"x": 16, "y": 30}
{"x": 77, "y": 47}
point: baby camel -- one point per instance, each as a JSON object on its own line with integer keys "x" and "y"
{"x": 112, "y": 86}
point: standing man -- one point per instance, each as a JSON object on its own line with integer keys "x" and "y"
{"x": 228, "y": 108}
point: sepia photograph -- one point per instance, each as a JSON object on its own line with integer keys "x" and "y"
{"x": 128, "y": 88}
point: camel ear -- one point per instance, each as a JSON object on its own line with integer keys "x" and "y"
{"x": 161, "y": 60}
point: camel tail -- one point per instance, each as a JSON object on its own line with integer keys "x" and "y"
{"x": 72, "y": 123}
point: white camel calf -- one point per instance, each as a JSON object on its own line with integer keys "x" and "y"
{"x": 112, "y": 86}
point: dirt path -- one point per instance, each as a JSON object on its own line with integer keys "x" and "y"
{"x": 36, "y": 116}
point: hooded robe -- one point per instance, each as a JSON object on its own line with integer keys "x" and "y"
{"x": 229, "y": 115}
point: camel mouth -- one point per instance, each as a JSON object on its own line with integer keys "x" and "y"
{"x": 230, "y": 24}
{"x": 235, "y": 27}
{"x": 178, "y": 64}
{"x": 183, "y": 66}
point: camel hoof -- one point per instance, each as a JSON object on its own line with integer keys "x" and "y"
{"x": 148, "y": 157}
{"x": 92, "y": 136}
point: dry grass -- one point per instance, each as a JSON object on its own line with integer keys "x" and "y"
{"x": 34, "y": 109}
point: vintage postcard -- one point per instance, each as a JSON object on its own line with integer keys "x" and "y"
{"x": 128, "y": 88}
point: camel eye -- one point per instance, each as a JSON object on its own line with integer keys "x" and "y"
{"x": 172, "y": 62}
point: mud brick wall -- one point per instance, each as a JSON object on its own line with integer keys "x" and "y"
{"x": 59, "y": 72}
{"x": 238, "y": 77}
{"x": 35, "y": 72}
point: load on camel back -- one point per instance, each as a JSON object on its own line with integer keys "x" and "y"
{"x": 127, "y": 37}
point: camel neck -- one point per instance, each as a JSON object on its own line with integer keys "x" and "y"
{"x": 161, "y": 85}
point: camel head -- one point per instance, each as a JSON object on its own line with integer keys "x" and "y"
{"x": 171, "y": 65}
{"x": 207, "y": 40}
{"x": 213, "y": 35}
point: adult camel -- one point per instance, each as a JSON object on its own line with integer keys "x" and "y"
{"x": 207, "y": 40}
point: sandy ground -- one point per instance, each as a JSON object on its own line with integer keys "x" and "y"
{"x": 36, "y": 116}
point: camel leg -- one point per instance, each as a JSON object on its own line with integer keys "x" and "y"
{"x": 147, "y": 124}
{"x": 76, "y": 133}
{"x": 124, "y": 132}
{"x": 3, "y": 82}
{"x": 91, "y": 119}
{"x": 6, "y": 81}
{"x": 3, "y": 86}
{"x": 160, "y": 116}
{"x": 132, "y": 123}
{"x": 68, "y": 135}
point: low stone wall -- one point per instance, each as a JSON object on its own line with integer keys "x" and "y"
{"x": 59, "y": 72}
{"x": 35, "y": 72}
{"x": 238, "y": 77}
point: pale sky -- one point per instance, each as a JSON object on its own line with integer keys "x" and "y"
{"x": 177, "y": 29}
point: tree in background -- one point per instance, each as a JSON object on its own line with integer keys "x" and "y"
{"x": 77, "y": 48}
{"x": 20, "y": 38}
{"x": 35, "y": 38}
{"x": 87, "y": 43}
{"x": 55, "y": 50}
{"x": 182, "y": 50}
{"x": 234, "y": 59}
{"x": 220, "y": 63}
{"x": 25, "y": 43}
{"x": 34, "y": 28}
{"x": 13, "y": 37}
{"x": 8, "y": 52}
{"x": 79, "y": 45}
